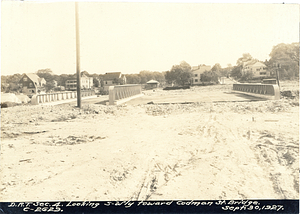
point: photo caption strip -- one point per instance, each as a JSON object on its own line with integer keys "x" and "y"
{"x": 171, "y": 206}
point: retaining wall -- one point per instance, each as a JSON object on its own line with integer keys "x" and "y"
{"x": 67, "y": 96}
{"x": 122, "y": 93}
{"x": 266, "y": 91}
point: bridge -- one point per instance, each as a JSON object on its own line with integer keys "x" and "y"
{"x": 132, "y": 95}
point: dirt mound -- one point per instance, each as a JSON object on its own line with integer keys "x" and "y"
{"x": 290, "y": 94}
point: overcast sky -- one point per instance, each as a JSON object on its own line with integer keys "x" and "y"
{"x": 131, "y": 37}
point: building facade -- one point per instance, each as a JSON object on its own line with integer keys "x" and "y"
{"x": 197, "y": 71}
{"x": 86, "y": 83}
{"x": 113, "y": 78}
{"x": 258, "y": 69}
{"x": 32, "y": 84}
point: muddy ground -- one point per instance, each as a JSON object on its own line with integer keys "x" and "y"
{"x": 234, "y": 150}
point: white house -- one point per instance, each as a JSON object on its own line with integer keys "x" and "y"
{"x": 258, "y": 69}
{"x": 86, "y": 83}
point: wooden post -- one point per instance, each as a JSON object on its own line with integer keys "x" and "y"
{"x": 78, "y": 57}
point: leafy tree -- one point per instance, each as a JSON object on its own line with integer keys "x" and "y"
{"x": 63, "y": 78}
{"x": 50, "y": 85}
{"x": 158, "y": 76}
{"x": 287, "y": 57}
{"x": 210, "y": 76}
{"x": 13, "y": 87}
{"x": 47, "y": 76}
{"x": 146, "y": 76}
{"x": 247, "y": 76}
{"x": 185, "y": 66}
{"x": 180, "y": 74}
{"x": 133, "y": 78}
{"x": 11, "y": 82}
{"x": 285, "y": 53}
{"x": 85, "y": 73}
{"x": 236, "y": 72}
{"x": 225, "y": 72}
{"x": 245, "y": 58}
{"x": 14, "y": 78}
{"x": 170, "y": 77}
{"x": 217, "y": 67}
{"x": 118, "y": 81}
{"x": 96, "y": 82}
{"x": 45, "y": 71}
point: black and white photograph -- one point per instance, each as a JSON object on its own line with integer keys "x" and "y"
{"x": 149, "y": 103}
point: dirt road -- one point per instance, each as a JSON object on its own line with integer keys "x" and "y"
{"x": 143, "y": 152}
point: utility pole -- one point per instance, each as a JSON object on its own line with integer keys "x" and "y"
{"x": 277, "y": 66}
{"x": 78, "y": 57}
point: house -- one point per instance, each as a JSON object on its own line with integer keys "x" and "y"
{"x": 197, "y": 71}
{"x": 113, "y": 78}
{"x": 32, "y": 84}
{"x": 258, "y": 69}
{"x": 86, "y": 83}
{"x": 152, "y": 84}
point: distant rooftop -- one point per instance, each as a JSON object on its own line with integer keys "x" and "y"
{"x": 111, "y": 76}
{"x": 34, "y": 78}
{"x": 152, "y": 81}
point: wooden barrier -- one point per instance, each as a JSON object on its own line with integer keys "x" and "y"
{"x": 57, "y": 97}
{"x": 266, "y": 91}
{"x": 122, "y": 93}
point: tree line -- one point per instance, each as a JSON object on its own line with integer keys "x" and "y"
{"x": 284, "y": 58}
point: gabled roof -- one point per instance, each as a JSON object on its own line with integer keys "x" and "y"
{"x": 195, "y": 67}
{"x": 35, "y": 78}
{"x": 254, "y": 63}
{"x": 112, "y": 76}
{"x": 74, "y": 76}
{"x": 152, "y": 81}
{"x": 202, "y": 68}
{"x": 259, "y": 64}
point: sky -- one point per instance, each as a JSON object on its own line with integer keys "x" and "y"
{"x": 132, "y": 37}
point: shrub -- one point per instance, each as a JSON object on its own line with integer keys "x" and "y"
{"x": 177, "y": 88}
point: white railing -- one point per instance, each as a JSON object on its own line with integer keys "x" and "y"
{"x": 56, "y": 97}
{"x": 121, "y": 93}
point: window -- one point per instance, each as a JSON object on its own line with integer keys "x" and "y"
{"x": 196, "y": 80}
{"x": 25, "y": 79}
{"x": 30, "y": 85}
{"x": 262, "y": 73}
{"x": 196, "y": 75}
